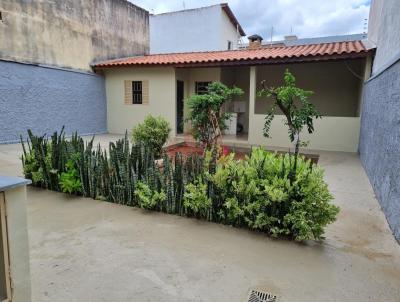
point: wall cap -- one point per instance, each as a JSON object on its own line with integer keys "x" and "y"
{"x": 11, "y": 182}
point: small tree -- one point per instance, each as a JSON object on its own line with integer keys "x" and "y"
{"x": 295, "y": 105}
{"x": 206, "y": 116}
{"x": 152, "y": 133}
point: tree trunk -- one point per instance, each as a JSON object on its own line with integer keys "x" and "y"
{"x": 296, "y": 153}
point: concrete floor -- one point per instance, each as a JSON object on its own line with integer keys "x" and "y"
{"x": 87, "y": 250}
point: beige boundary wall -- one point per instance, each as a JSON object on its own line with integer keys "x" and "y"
{"x": 334, "y": 133}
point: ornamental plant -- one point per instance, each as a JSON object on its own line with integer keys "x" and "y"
{"x": 206, "y": 115}
{"x": 152, "y": 133}
{"x": 196, "y": 199}
{"x": 295, "y": 105}
{"x": 256, "y": 192}
{"x": 147, "y": 198}
{"x": 69, "y": 180}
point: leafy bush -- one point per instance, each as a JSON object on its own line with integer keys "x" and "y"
{"x": 70, "y": 181}
{"x": 196, "y": 199}
{"x": 298, "y": 110}
{"x": 206, "y": 116}
{"x": 147, "y": 198}
{"x": 152, "y": 133}
{"x": 256, "y": 192}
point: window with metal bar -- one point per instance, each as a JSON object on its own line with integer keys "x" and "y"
{"x": 137, "y": 92}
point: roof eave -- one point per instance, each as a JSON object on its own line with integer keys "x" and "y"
{"x": 249, "y": 62}
{"x": 225, "y": 7}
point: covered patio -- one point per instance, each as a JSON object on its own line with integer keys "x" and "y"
{"x": 333, "y": 71}
{"x": 337, "y": 87}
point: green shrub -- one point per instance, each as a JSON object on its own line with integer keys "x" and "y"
{"x": 152, "y": 133}
{"x": 70, "y": 181}
{"x": 147, "y": 198}
{"x": 196, "y": 199}
{"x": 258, "y": 193}
{"x": 206, "y": 115}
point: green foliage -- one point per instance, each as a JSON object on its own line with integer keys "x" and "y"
{"x": 196, "y": 198}
{"x": 256, "y": 192}
{"x": 259, "y": 194}
{"x": 148, "y": 198}
{"x": 298, "y": 110}
{"x": 152, "y": 133}
{"x": 294, "y": 103}
{"x": 206, "y": 117}
{"x": 70, "y": 180}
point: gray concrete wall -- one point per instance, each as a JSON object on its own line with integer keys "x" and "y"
{"x": 380, "y": 118}
{"x": 380, "y": 141}
{"x": 45, "y": 99}
{"x": 72, "y": 33}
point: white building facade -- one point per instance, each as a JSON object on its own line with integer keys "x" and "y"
{"x": 201, "y": 29}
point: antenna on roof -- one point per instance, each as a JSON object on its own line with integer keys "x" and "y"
{"x": 183, "y": 5}
{"x": 365, "y": 27}
{"x": 272, "y": 33}
{"x": 239, "y": 37}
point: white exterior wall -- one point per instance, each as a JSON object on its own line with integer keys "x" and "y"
{"x": 202, "y": 29}
{"x": 162, "y": 95}
{"x": 227, "y": 32}
{"x": 383, "y": 30}
{"x": 334, "y": 133}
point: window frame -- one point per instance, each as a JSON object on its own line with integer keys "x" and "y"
{"x": 203, "y": 87}
{"x": 230, "y": 44}
{"x": 137, "y": 92}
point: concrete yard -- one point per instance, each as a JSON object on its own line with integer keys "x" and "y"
{"x": 88, "y": 250}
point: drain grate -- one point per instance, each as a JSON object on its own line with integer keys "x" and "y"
{"x": 260, "y": 296}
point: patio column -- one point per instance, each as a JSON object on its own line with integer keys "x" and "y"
{"x": 252, "y": 100}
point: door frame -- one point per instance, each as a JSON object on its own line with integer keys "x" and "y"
{"x": 180, "y": 111}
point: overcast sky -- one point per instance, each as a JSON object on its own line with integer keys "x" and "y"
{"x": 304, "y": 18}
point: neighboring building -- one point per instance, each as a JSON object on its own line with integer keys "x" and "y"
{"x": 380, "y": 123}
{"x": 330, "y": 70}
{"x": 201, "y": 29}
{"x": 46, "y": 50}
{"x": 71, "y": 33}
{"x": 293, "y": 40}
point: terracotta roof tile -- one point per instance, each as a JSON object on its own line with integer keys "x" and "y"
{"x": 323, "y": 51}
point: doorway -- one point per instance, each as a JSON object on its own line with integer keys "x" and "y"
{"x": 179, "y": 106}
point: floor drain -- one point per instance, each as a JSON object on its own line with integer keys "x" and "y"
{"x": 260, "y": 296}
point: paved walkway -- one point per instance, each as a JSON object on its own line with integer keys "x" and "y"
{"x": 87, "y": 250}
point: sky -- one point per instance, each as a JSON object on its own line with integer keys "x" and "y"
{"x": 304, "y": 18}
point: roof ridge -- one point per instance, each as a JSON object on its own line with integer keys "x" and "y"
{"x": 263, "y": 53}
{"x": 240, "y": 49}
{"x": 190, "y": 9}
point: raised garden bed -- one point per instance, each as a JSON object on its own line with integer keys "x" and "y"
{"x": 188, "y": 148}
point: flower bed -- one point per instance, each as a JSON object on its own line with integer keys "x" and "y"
{"x": 257, "y": 192}
{"x": 189, "y": 148}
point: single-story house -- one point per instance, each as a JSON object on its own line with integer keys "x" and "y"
{"x": 159, "y": 84}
